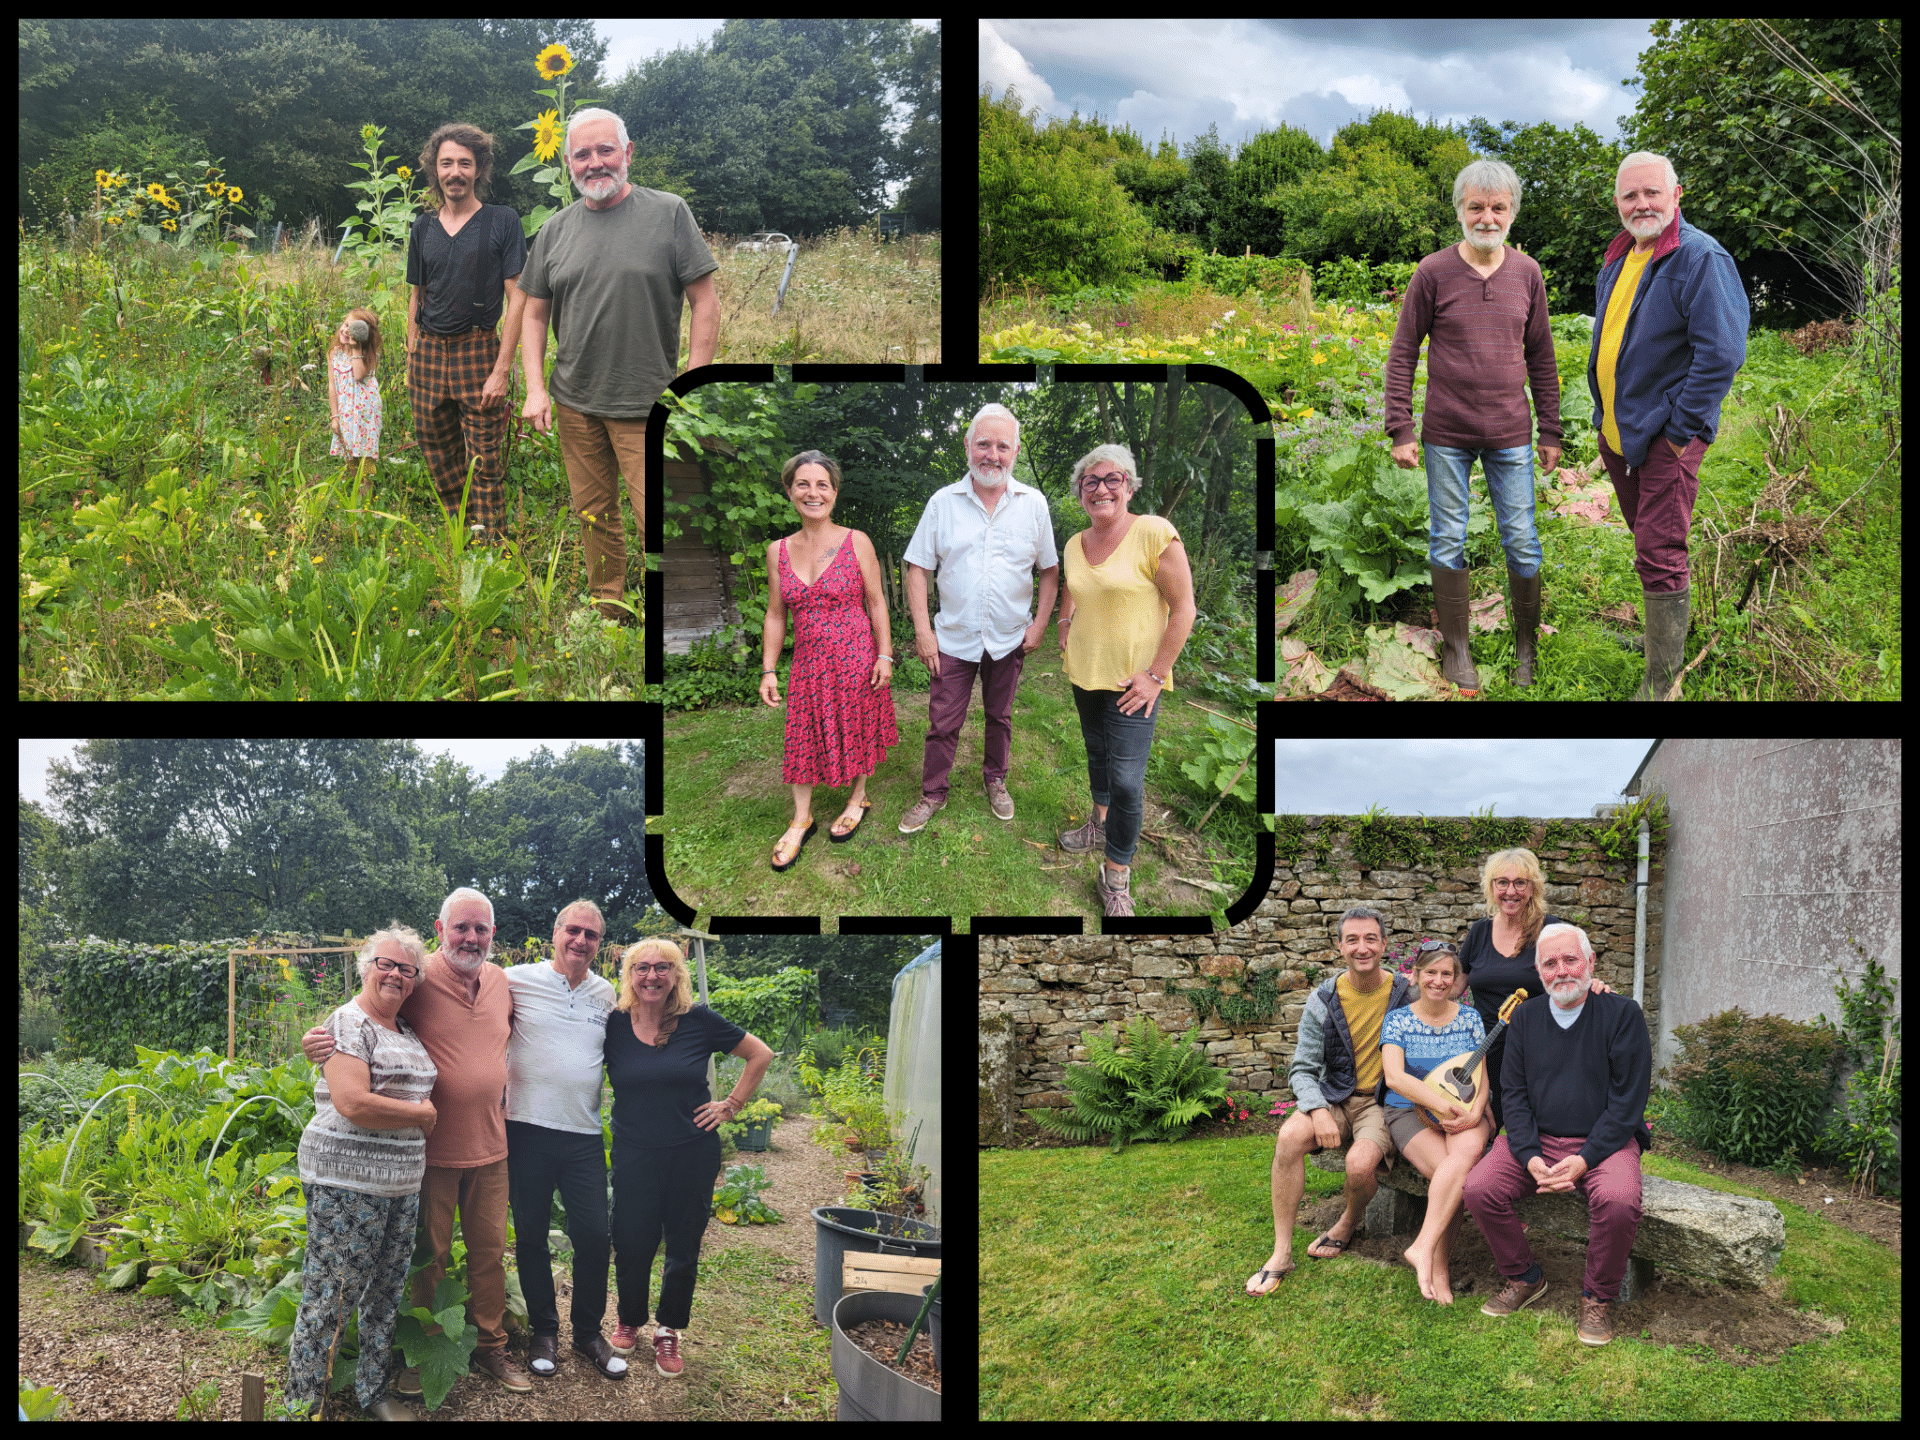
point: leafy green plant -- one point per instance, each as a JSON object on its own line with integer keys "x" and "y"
{"x": 738, "y": 1197}
{"x": 1754, "y": 1089}
{"x": 1148, "y": 1088}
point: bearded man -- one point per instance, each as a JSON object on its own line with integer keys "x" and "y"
{"x": 1574, "y": 1085}
{"x": 462, "y": 263}
{"x": 611, "y": 271}
{"x": 984, "y": 535}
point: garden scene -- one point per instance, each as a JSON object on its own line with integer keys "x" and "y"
{"x": 190, "y": 528}
{"x": 167, "y": 1118}
{"x": 1288, "y": 263}
{"x": 725, "y": 802}
{"x": 1115, "y": 1231}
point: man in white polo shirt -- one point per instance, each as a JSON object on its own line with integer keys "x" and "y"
{"x": 984, "y": 535}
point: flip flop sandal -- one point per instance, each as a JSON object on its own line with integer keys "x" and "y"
{"x": 865, "y": 805}
{"x": 1327, "y": 1239}
{"x": 812, "y": 825}
{"x": 1261, "y": 1279}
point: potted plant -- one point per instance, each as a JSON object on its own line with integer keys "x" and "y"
{"x": 752, "y": 1128}
{"x": 881, "y": 1389}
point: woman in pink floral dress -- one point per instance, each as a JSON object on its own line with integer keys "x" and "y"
{"x": 839, "y": 706}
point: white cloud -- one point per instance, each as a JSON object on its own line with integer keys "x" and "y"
{"x": 1001, "y": 65}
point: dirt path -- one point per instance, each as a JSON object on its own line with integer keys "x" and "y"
{"x": 752, "y": 1351}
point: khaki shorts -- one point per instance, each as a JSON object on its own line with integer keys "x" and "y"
{"x": 1362, "y": 1117}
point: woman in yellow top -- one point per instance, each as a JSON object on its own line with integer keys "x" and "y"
{"x": 1127, "y": 611}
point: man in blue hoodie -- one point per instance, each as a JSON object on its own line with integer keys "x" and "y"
{"x": 1671, "y": 323}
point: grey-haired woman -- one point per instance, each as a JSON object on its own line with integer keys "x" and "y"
{"x": 1127, "y": 612}
{"x": 362, "y": 1158}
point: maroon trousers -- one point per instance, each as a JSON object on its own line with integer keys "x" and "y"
{"x": 1656, "y": 500}
{"x": 1612, "y": 1189}
{"x": 947, "y": 700}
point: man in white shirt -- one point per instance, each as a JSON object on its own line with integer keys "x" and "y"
{"x": 985, "y": 536}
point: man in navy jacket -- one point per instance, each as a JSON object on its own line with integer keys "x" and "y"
{"x": 1574, "y": 1091}
{"x": 1670, "y": 332}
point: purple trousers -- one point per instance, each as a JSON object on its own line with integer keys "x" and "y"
{"x": 947, "y": 699}
{"x": 1656, "y": 500}
{"x": 1612, "y": 1189}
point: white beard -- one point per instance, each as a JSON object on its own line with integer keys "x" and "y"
{"x": 464, "y": 965}
{"x": 990, "y": 482}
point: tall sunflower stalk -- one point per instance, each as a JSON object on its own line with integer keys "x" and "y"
{"x": 549, "y": 136}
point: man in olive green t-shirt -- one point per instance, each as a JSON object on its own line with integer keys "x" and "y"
{"x": 611, "y": 271}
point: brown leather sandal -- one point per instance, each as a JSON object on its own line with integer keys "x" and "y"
{"x": 812, "y": 825}
{"x": 840, "y": 836}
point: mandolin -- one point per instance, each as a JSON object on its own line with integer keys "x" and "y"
{"x": 1462, "y": 1077}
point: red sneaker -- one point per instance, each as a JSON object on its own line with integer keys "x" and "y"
{"x": 666, "y": 1352}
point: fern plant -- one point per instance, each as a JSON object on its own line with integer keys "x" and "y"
{"x": 1149, "y": 1088}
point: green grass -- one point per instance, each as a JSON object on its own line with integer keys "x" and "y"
{"x": 1111, "y": 1289}
{"x": 728, "y": 805}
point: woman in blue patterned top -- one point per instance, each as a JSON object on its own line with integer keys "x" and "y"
{"x": 1414, "y": 1040}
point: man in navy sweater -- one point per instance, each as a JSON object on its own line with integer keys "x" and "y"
{"x": 1574, "y": 1087}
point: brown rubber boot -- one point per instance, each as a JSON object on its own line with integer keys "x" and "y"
{"x": 1450, "y": 594}
{"x": 1524, "y": 598}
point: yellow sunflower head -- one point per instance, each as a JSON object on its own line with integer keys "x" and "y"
{"x": 554, "y": 62}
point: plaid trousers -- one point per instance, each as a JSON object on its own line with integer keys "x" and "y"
{"x": 445, "y": 375}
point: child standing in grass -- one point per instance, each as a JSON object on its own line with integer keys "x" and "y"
{"x": 353, "y": 393}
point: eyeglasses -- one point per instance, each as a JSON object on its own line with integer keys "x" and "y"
{"x": 665, "y": 967}
{"x": 1094, "y": 482}
{"x": 380, "y": 962}
{"x": 574, "y": 932}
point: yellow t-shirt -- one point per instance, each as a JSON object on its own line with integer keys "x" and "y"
{"x": 1119, "y": 615}
{"x": 1612, "y": 330}
{"x": 1366, "y": 1013}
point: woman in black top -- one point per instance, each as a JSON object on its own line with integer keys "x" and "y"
{"x": 666, "y": 1155}
{"x": 1497, "y": 953}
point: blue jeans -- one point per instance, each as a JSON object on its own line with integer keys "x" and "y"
{"x": 1510, "y": 481}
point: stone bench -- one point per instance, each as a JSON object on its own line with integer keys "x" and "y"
{"x": 1727, "y": 1238}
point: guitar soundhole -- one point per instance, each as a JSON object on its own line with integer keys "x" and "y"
{"x": 1462, "y": 1084}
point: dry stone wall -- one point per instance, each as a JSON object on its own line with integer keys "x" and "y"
{"x": 1038, "y": 994}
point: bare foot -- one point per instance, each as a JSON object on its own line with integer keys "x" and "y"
{"x": 1341, "y": 1230}
{"x": 1442, "y": 1288}
{"x": 1267, "y": 1278}
{"x": 1422, "y": 1263}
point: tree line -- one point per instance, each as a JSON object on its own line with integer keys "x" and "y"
{"x": 1785, "y": 136}
{"x": 785, "y": 124}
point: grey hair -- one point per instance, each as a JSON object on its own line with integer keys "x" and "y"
{"x": 409, "y": 939}
{"x": 1586, "y": 945}
{"x": 599, "y": 916}
{"x": 990, "y": 411}
{"x": 619, "y": 125}
{"x": 465, "y": 892}
{"x": 1361, "y": 912}
{"x": 1493, "y": 176}
{"x": 1113, "y": 455}
{"x": 1645, "y": 157}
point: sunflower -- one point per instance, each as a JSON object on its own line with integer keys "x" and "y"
{"x": 554, "y": 62}
{"x": 546, "y": 135}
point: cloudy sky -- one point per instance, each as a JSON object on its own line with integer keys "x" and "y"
{"x": 1179, "y": 76}
{"x": 1542, "y": 779}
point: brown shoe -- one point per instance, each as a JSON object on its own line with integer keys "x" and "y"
{"x": 1596, "y": 1325}
{"x": 998, "y": 798}
{"x": 497, "y": 1364}
{"x": 1090, "y": 836}
{"x": 1116, "y": 898}
{"x": 1514, "y": 1295}
{"x": 605, "y": 1359}
{"x": 915, "y": 820}
{"x": 544, "y": 1350}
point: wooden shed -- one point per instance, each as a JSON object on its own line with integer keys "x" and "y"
{"x": 696, "y": 580}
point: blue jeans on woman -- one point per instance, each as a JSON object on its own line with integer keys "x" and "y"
{"x": 1117, "y": 748}
{"x": 1509, "y": 480}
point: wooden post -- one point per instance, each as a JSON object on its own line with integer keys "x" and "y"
{"x": 253, "y": 1397}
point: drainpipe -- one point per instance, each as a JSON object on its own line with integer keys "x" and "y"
{"x": 1640, "y": 924}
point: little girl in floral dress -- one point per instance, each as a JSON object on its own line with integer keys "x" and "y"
{"x": 353, "y": 393}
